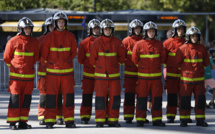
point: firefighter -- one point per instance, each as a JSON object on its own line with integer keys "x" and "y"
{"x": 93, "y": 30}
{"x": 148, "y": 56}
{"x": 192, "y": 57}
{"x": 59, "y": 50}
{"x": 48, "y": 27}
{"x": 106, "y": 55}
{"x": 130, "y": 73}
{"x": 20, "y": 55}
{"x": 173, "y": 73}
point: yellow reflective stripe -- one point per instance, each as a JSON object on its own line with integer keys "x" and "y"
{"x": 41, "y": 117}
{"x": 171, "y": 54}
{"x": 129, "y": 53}
{"x": 137, "y": 65}
{"x": 45, "y": 61}
{"x": 13, "y": 119}
{"x": 88, "y": 74}
{"x": 23, "y": 118}
{"x": 149, "y": 55}
{"x": 173, "y": 74}
{"x": 128, "y": 115}
{"x": 114, "y": 75}
{"x": 42, "y": 73}
{"x": 184, "y": 116}
{"x": 156, "y": 118}
{"x": 22, "y": 75}
{"x": 8, "y": 65}
{"x": 69, "y": 119}
{"x": 193, "y": 79}
{"x": 60, "y": 49}
{"x": 100, "y": 75}
{"x": 168, "y": 115}
{"x": 85, "y": 116}
{"x": 100, "y": 120}
{"x": 179, "y": 68}
{"x": 59, "y": 70}
{"x": 113, "y": 119}
{"x": 149, "y": 75}
{"x": 107, "y": 54}
{"x": 23, "y": 54}
{"x": 164, "y": 65}
{"x": 59, "y": 117}
{"x": 140, "y": 119}
{"x": 193, "y": 60}
{"x": 87, "y": 54}
{"x": 49, "y": 120}
{"x": 200, "y": 116}
{"x": 130, "y": 73}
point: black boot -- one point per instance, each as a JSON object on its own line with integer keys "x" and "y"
{"x": 84, "y": 122}
{"x": 140, "y": 124}
{"x": 170, "y": 120}
{"x": 128, "y": 121}
{"x": 24, "y": 125}
{"x": 114, "y": 125}
{"x": 49, "y": 125}
{"x": 59, "y": 121}
{"x": 201, "y": 123}
{"x": 189, "y": 121}
{"x": 70, "y": 125}
{"x": 99, "y": 125}
{"x": 158, "y": 123}
{"x": 42, "y": 122}
{"x": 183, "y": 124}
{"x": 13, "y": 126}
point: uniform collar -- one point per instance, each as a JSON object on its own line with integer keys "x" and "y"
{"x": 136, "y": 37}
{"x": 25, "y": 37}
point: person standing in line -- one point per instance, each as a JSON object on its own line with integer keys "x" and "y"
{"x": 21, "y": 53}
{"x": 88, "y": 81}
{"x": 192, "y": 57}
{"x": 148, "y": 56}
{"x": 59, "y": 50}
{"x": 106, "y": 54}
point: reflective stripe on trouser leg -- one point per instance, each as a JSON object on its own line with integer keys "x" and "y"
{"x": 199, "y": 94}
{"x": 114, "y": 101}
{"x": 185, "y": 100}
{"x": 129, "y": 100}
{"x": 67, "y": 89}
{"x": 172, "y": 97}
{"x": 101, "y": 88}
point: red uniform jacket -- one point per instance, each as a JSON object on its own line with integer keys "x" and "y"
{"x": 107, "y": 53}
{"x": 84, "y": 57}
{"x": 192, "y": 58}
{"x": 128, "y": 43}
{"x": 59, "y": 50}
{"x": 148, "y": 54}
{"x": 171, "y": 45}
{"x": 21, "y": 53}
{"x": 42, "y": 65}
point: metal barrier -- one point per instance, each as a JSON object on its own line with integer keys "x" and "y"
{"x": 78, "y": 74}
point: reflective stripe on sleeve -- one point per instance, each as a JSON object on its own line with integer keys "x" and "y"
{"x": 23, "y": 53}
{"x": 22, "y": 75}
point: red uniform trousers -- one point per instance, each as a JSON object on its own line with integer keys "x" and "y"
{"x": 41, "y": 105}
{"x": 105, "y": 88}
{"x": 20, "y": 100}
{"x": 129, "y": 101}
{"x": 87, "y": 95}
{"x": 186, "y": 90}
{"x": 143, "y": 88}
{"x": 54, "y": 86}
{"x": 172, "y": 87}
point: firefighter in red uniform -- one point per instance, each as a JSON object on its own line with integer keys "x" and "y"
{"x": 48, "y": 27}
{"x": 192, "y": 57}
{"x": 20, "y": 55}
{"x": 106, "y": 55}
{"x": 130, "y": 73}
{"x": 59, "y": 50}
{"x": 173, "y": 73}
{"x": 148, "y": 56}
{"x": 88, "y": 72}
